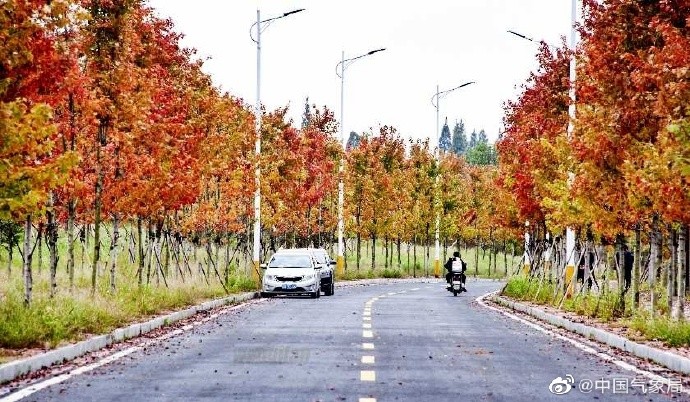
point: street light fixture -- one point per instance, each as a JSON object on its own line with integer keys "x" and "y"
{"x": 525, "y": 37}
{"x": 436, "y": 104}
{"x": 343, "y": 64}
{"x": 259, "y": 26}
{"x": 522, "y": 36}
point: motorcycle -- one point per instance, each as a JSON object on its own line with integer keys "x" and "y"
{"x": 456, "y": 285}
{"x": 457, "y": 279}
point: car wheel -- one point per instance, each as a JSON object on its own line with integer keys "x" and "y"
{"x": 331, "y": 291}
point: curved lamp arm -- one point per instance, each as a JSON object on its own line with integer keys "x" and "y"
{"x": 347, "y": 62}
{"x": 265, "y": 23}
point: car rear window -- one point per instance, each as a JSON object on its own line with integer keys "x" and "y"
{"x": 290, "y": 261}
{"x": 320, "y": 257}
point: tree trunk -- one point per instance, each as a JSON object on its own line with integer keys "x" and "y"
{"x": 140, "y": 249}
{"x": 51, "y": 236}
{"x": 114, "y": 250}
{"x": 672, "y": 267}
{"x": 71, "y": 212}
{"x": 373, "y": 251}
{"x": 359, "y": 250}
{"x": 651, "y": 277}
{"x": 28, "y": 253}
{"x": 150, "y": 239}
{"x": 637, "y": 268}
{"x": 427, "y": 244}
{"x": 10, "y": 249}
{"x": 491, "y": 242}
{"x": 39, "y": 240}
{"x": 476, "y": 258}
{"x": 399, "y": 259}
{"x": 385, "y": 258}
{"x": 97, "y": 209}
{"x": 679, "y": 311}
{"x": 414, "y": 253}
{"x": 505, "y": 259}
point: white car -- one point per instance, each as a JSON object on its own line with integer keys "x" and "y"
{"x": 327, "y": 275}
{"x": 292, "y": 271}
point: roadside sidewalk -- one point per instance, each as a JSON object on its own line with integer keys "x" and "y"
{"x": 17, "y": 368}
{"x": 667, "y": 359}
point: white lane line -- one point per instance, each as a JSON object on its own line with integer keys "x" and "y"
{"x": 367, "y": 334}
{"x": 382, "y": 296}
{"x": 368, "y": 360}
{"x": 414, "y": 289}
{"x": 374, "y": 299}
{"x": 368, "y": 346}
{"x": 367, "y": 375}
{"x": 366, "y": 313}
{"x": 366, "y": 318}
{"x": 366, "y": 325}
{"x": 23, "y": 393}
{"x": 581, "y": 346}
{"x": 392, "y": 293}
{"x": 367, "y": 399}
{"x": 64, "y": 377}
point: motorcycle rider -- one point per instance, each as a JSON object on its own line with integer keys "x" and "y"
{"x": 449, "y": 267}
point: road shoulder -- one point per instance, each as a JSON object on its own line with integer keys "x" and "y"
{"x": 665, "y": 358}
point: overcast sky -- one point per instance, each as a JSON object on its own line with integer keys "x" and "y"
{"x": 444, "y": 42}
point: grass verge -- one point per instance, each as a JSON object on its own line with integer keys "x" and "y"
{"x": 638, "y": 322}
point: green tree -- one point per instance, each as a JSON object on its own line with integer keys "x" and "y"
{"x": 482, "y": 138}
{"x": 306, "y": 116}
{"x": 444, "y": 143}
{"x": 473, "y": 140}
{"x": 459, "y": 138}
{"x": 483, "y": 154}
{"x": 353, "y": 141}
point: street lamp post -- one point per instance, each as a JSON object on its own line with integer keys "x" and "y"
{"x": 569, "y": 233}
{"x": 343, "y": 64}
{"x": 260, "y": 25}
{"x": 437, "y": 97}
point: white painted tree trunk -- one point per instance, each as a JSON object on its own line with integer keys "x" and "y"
{"x": 28, "y": 253}
{"x": 679, "y": 310}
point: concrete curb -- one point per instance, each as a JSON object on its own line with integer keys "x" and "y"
{"x": 10, "y": 371}
{"x": 672, "y": 361}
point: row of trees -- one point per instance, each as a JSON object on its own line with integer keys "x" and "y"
{"x": 106, "y": 120}
{"x": 108, "y": 124}
{"x": 621, "y": 175}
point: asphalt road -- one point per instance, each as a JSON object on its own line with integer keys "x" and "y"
{"x": 388, "y": 342}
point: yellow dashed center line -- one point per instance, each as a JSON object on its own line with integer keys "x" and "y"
{"x": 368, "y": 346}
{"x": 367, "y": 334}
{"x": 366, "y": 326}
{"x": 366, "y": 318}
{"x": 368, "y": 360}
{"x": 366, "y": 313}
{"x": 367, "y": 399}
